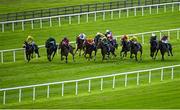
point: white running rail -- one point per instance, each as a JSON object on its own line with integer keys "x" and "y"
{"x": 142, "y": 35}
{"x": 94, "y": 13}
{"x": 114, "y": 78}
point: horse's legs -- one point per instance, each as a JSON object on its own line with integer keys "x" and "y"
{"x": 95, "y": 54}
{"x": 170, "y": 49}
{"x": 162, "y": 53}
{"x": 156, "y": 53}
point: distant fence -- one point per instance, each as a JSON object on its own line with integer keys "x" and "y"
{"x": 114, "y": 78}
{"x": 79, "y": 9}
{"x": 161, "y": 32}
{"x": 58, "y": 19}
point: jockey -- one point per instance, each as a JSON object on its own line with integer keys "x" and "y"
{"x": 109, "y": 35}
{"x": 65, "y": 41}
{"x": 134, "y": 39}
{"x": 98, "y": 36}
{"x": 153, "y": 38}
{"x": 90, "y": 41}
{"x": 51, "y": 41}
{"x": 82, "y": 36}
{"x": 106, "y": 43}
{"x": 125, "y": 38}
{"x": 30, "y": 41}
{"x": 164, "y": 39}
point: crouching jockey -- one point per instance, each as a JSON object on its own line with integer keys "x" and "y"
{"x": 90, "y": 41}
{"x": 153, "y": 38}
{"x": 30, "y": 41}
{"x": 134, "y": 40}
{"x": 65, "y": 42}
{"x": 51, "y": 42}
{"x": 97, "y": 37}
{"x": 106, "y": 43}
{"x": 81, "y": 37}
{"x": 125, "y": 38}
{"x": 164, "y": 40}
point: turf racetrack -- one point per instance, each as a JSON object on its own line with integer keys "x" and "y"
{"x": 157, "y": 95}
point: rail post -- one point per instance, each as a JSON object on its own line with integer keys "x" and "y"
{"x": 4, "y": 97}
{"x": 79, "y": 19}
{"x": 47, "y": 91}
{"x": 142, "y": 11}
{"x": 69, "y": 19}
{"x": 62, "y": 91}
{"x": 134, "y": 11}
{"x": 150, "y": 10}
{"x": 114, "y": 81}
{"x": 2, "y": 27}
{"x": 119, "y": 13}
{"x": 127, "y": 14}
{"x": 76, "y": 87}
{"x": 149, "y": 77}
{"x": 162, "y": 74}
{"x": 104, "y": 16}
{"x": 89, "y": 86}
{"x": 34, "y": 93}
{"x": 157, "y": 9}
{"x": 50, "y": 22}
{"x": 87, "y": 18}
{"x": 40, "y": 23}
{"x": 95, "y": 16}
{"x": 59, "y": 21}
{"x": 142, "y": 38}
{"x": 172, "y": 73}
{"x": 22, "y": 25}
{"x": 101, "y": 84}
{"x": 111, "y": 14}
{"x": 164, "y": 8}
{"x": 177, "y": 34}
{"x": 13, "y": 26}
{"x": 125, "y": 81}
{"x": 32, "y": 25}
{"x": 137, "y": 78}
{"x": 20, "y": 92}
{"x": 14, "y": 56}
{"x": 2, "y": 60}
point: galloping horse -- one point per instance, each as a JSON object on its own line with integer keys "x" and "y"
{"x": 29, "y": 51}
{"x": 163, "y": 49}
{"x": 89, "y": 48}
{"x": 153, "y": 47}
{"x": 104, "y": 50}
{"x": 51, "y": 51}
{"x": 80, "y": 45}
{"x": 65, "y": 50}
{"x": 134, "y": 49}
{"x": 125, "y": 48}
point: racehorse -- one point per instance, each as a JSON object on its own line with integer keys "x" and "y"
{"x": 88, "y": 49}
{"x": 105, "y": 51}
{"x": 80, "y": 45}
{"x": 163, "y": 49}
{"x": 134, "y": 49}
{"x": 29, "y": 51}
{"x": 153, "y": 47}
{"x": 65, "y": 50}
{"x": 125, "y": 48}
{"x": 51, "y": 51}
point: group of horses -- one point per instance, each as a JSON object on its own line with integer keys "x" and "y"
{"x": 88, "y": 49}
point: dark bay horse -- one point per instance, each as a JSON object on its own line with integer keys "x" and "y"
{"x": 88, "y": 49}
{"x": 65, "y": 50}
{"x": 163, "y": 47}
{"x": 134, "y": 49}
{"x": 80, "y": 45}
{"x": 153, "y": 47}
{"x": 104, "y": 50}
{"x": 30, "y": 49}
{"x": 125, "y": 48}
{"x": 51, "y": 51}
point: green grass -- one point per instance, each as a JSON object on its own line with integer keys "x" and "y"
{"x": 8, "y": 6}
{"x": 42, "y": 71}
{"x": 155, "y": 96}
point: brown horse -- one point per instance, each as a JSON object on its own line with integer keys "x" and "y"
{"x": 80, "y": 45}
{"x": 65, "y": 50}
{"x": 88, "y": 49}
